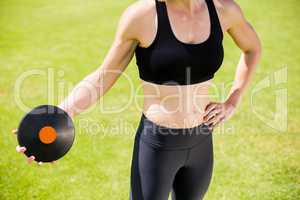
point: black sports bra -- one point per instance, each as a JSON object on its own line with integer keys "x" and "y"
{"x": 168, "y": 61}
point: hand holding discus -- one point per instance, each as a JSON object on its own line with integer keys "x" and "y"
{"x": 45, "y": 134}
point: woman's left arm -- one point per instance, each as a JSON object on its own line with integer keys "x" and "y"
{"x": 247, "y": 40}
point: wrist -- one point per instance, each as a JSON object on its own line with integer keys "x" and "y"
{"x": 233, "y": 99}
{"x": 231, "y": 103}
{"x": 68, "y": 111}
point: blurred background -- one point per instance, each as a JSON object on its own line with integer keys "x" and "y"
{"x": 48, "y": 46}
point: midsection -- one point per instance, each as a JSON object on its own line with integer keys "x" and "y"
{"x": 176, "y": 106}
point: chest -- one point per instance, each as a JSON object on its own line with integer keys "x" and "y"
{"x": 174, "y": 54}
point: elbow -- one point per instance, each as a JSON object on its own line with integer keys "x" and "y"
{"x": 257, "y": 50}
{"x": 254, "y": 54}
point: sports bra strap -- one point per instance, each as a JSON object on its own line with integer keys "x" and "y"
{"x": 216, "y": 28}
{"x": 163, "y": 25}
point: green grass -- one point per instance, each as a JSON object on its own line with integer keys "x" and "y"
{"x": 253, "y": 161}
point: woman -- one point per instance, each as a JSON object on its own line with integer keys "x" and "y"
{"x": 178, "y": 47}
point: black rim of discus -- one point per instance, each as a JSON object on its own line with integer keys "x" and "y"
{"x": 57, "y": 123}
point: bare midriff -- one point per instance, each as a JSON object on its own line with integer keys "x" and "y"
{"x": 176, "y": 106}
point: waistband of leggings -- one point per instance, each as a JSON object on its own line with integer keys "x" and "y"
{"x": 171, "y": 138}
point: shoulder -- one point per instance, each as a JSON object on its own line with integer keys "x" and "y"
{"x": 137, "y": 16}
{"x": 230, "y": 11}
{"x": 141, "y": 8}
{"x": 227, "y": 6}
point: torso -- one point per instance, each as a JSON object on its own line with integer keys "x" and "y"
{"x": 178, "y": 106}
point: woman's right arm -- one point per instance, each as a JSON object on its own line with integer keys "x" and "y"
{"x": 95, "y": 85}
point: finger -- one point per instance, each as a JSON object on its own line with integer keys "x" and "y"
{"x": 20, "y": 149}
{"x": 210, "y": 107}
{"x": 214, "y": 119}
{"x": 210, "y": 121}
{"x": 40, "y": 163}
{"x": 14, "y": 131}
{"x": 212, "y": 113}
{"x": 221, "y": 120}
{"x": 30, "y": 159}
{"x": 210, "y": 127}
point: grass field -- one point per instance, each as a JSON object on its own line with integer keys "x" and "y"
{"x": 253, "y": 161}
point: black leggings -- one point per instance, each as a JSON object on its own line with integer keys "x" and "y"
{"x": 171, "y": 159}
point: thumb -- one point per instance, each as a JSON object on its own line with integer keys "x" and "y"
{"x": 14, "y": 131}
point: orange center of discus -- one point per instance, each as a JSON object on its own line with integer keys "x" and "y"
{"x": 47, "y": 135}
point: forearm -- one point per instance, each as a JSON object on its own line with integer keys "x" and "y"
{"x": 87, "y": 92}
{"x": 245, "y": 70}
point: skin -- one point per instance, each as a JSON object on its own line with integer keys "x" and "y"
{"x": 190, "y": 24}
